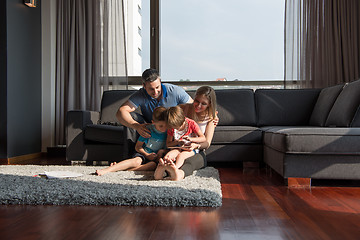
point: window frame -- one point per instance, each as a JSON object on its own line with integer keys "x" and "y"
{"x": 155, "y": 30}
{"x": 155, "y": 34}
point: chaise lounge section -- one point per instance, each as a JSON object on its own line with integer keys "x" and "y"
{"x": 327, "y": 147}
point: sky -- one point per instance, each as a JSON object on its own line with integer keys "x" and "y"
{"x": 232, "y": 39}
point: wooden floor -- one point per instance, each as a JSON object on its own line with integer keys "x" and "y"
{"x": 256, "y": 205}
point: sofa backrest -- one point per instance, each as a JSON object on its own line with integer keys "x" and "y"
{"x": 324, "y": 103}
{"x": 110, "y": 103}
{"x": 356, "y": 120}
{"x": 285, "y": 107}
{"x": 345, "y": 107}
{"x": 191, "y": 93}
{"x": 236, "y": 107}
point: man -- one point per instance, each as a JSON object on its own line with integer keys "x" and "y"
{"x": 153, "y": 94}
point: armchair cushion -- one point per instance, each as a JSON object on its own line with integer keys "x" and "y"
{"x": 110, "y": 103}
{"x": 105, "y": 133}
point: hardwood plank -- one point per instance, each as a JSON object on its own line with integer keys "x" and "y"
{"x": 299, "y": 182}
{"x": 251, "y": 165}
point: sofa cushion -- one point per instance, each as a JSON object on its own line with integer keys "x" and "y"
{"x": 237, "y": 134}
{"x": 285, "y": 107}
{"x": 236, "y": 107}
{"x": 191, "y": 93}
{"x": 105, "y": 133}
{"x": 324, "y": 104}
{"x": 110, "y": 103}
{"x": 356, "y": 120}
{"x": 306, "y": 140}
{"x": 345, "y": 106}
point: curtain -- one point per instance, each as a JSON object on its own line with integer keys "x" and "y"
{"x": 90, "y": 55}
{"x": 113, "y": 42}
{"x": 322, "y": 42}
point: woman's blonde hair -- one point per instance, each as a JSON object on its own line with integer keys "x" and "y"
{"x": 175, "y": 117}
{"x": 209, "y": 93}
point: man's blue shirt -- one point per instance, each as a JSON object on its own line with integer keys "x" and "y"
{"x": 172, "y": 95}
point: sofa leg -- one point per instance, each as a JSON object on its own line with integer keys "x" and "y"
{"x": 299, "y": 182}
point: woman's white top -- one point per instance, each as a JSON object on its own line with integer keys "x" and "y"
{"x": 203, "y": 125}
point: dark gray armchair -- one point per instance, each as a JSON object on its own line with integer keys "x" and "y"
{"x": 94, "y": 137}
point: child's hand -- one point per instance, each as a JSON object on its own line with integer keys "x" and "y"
{"x": 161, "y": 153}
{"x": 185, "y": 141}
{"x": 152, "y": 156}
{"x": 171, "y": 156}
{"x": 167, "y": 159}
{"x": 187, "y": 138}
{"x": 190, "y": 147}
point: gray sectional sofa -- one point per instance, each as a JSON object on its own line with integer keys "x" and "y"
{"x": 299, "y": 133}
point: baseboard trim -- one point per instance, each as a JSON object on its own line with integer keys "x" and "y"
{"x": 20, "y": 159}
{"x": 3, "y": 161}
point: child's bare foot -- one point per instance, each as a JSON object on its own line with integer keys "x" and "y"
{"x": 161, "y": 162}
{"x": 101, "y": 172}
{"x": 175, "y": 173}
{"x": 159, "y": 171}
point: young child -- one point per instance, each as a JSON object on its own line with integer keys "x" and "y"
{"x": 181, "y": 133}
{"x": 149, "y": 150}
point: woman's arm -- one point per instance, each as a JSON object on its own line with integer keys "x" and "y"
{"x": 209, "y": 133}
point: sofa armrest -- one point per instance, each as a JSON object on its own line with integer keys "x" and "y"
{"x": 76, "y": 121}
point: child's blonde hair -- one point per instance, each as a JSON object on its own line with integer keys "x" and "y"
{"x": 159, "y": 114}
{"x": 175, "y": 117}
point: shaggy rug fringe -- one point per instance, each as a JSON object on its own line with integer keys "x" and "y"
{"x": 19, "y": 186}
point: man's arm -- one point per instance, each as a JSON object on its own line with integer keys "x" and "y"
{"x": 125, "y": 118}
{"x": 190, "y": 100}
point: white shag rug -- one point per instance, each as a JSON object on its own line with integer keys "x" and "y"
{"x": 19, "y": 186}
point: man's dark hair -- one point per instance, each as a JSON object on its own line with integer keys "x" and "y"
{"x": 150, "y": 75}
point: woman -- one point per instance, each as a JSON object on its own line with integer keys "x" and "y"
{"x": 203, "y": 111}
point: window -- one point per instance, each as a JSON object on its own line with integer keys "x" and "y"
{"x": 229, "y": 39}
{"x": 145, "y": 35}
